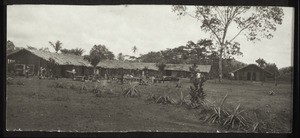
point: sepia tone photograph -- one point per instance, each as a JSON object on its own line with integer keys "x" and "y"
{"x": 149, "y": 68}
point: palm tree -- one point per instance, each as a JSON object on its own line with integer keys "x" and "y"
{"x": 134, "y": 49}
{"x": 56, "y": 46}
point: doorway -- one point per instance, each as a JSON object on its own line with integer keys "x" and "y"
{"x": 253, "y": 76}
{"x": 248, "y": 75}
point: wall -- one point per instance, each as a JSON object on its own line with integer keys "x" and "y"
{"x": 256, "y": 74}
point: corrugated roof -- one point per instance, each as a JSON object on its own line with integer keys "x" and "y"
{"x": 151, "y": 66}
{"x": 61, "y": 59}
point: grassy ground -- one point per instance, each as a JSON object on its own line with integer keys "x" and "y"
{"x": 39, "y": 105}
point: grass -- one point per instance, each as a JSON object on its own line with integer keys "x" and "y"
{"x": 38, "y": 106}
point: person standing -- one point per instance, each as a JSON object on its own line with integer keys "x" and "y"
{"x": 27, "y": 71}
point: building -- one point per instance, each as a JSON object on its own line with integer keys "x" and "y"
{"x": 35, "y": 59}
{"x": 112, "y": 68}
{"x": 251, "y": 72}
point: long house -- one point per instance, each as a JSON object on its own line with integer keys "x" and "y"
{"x": 64, "y": 63}
{"x": 35, "y": 59}
{"x": 113, "y": 67}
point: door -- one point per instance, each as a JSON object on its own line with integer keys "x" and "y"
{"x": 253, "y": 76}
{"x": 248, "y": 75}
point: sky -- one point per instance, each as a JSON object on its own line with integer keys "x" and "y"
{"x": 119, "y": 28}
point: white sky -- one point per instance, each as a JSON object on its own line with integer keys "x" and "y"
{"x": 149, "y": 27}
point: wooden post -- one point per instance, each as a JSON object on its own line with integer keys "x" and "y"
{"x": 275, "y": 78}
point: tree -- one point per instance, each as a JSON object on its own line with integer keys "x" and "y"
{"x": 10, "y": 47}
{"x": 98, "y": 53}
{"x": 76, "y": 51}
{"x": 57, "y": 46}
{"x": 272, "y": 68}
{"x": 52, "y": 65}
{"x": 120, "y": 57}
{"x": 261, "y": 62}
{"x": 134, "y": 49}
{"x": 254, "y": 22}
{"x": 151, "y": 57}
{"x": 286, "y": 74}
{"x": 199, "y": 51}
{"x": 161, "y": 67}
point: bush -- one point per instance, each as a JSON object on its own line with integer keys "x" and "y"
{"x": 218, "y": 114}
{"x": 131, "y": 91}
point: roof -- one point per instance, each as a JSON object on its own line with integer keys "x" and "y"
{"x": 61, "y": 59}
{"x": 251, "y": 65}
{"x": 126, "y": 65}
{"x": 186, "y": 67}
{"x": 151, "y": 66}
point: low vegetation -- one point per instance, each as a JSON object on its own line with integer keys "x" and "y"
{"x": 131, "y": 91}
{"x": 230, "y": 113}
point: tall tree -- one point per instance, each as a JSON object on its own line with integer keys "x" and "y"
{"x": 254, "y": 22}
{"x": 261, "y": 62}
{"x": 57, "y": 46}
{"x": 98, "y": 53}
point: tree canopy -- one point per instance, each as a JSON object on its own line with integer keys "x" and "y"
{"x": 261, "y": 62}
{"x": 254, "y": 23}
{"x": 120, "y": 57}
{"x": 10, "y": 47}
{"x": 98, "y": 53}
{"x": 57, "y": 46}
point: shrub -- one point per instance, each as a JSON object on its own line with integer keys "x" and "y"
{"x": 197, "y": 93}
{"x": 83, "y": 86}
{"x": 235, "y": 118}
{"x": 182, "y": 100}
{"x": 131, "y": 91}
{"x": 165, "y": 100}
{"x": 219, "y": 113}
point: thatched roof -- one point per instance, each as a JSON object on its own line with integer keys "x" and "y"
{"x": 60, "y": 59}
{"x": 114, "y": 64}
{"x": 186, "y": 67}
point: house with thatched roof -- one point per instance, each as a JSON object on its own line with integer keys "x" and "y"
{"x": 251, "y": 72}
{"x": 35, "y": 59}
{"x": 112, "y": 67}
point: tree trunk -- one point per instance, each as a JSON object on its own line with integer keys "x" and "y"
{"x": 220, "y": 65}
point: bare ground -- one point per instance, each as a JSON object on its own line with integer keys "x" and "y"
{"x": 39, "y": 106}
